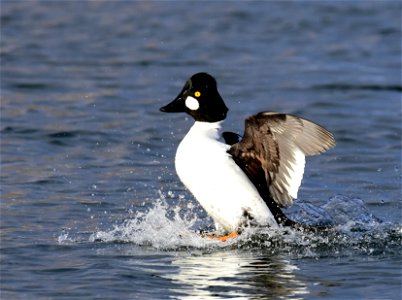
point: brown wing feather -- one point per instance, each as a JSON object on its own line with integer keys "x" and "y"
{"x": 272, "y": 151}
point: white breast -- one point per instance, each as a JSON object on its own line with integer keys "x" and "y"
{"x": 216, "y": 181}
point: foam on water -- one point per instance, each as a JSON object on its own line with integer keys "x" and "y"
{"x": 159, "y": 227}
{"x": 354, "y": 230}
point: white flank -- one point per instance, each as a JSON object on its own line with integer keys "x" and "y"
{"x": 192, "y": 103}
{"x": 216, "y": 181}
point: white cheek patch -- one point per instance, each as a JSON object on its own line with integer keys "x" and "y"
{"x": 192, "y": 103}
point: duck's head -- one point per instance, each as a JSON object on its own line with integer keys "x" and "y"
{"x": 200, "y": 99}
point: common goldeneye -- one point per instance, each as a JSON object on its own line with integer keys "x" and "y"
{"x": 246, "y": 180}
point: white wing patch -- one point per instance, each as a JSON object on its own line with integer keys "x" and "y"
{"x": 295, "y": 171}
{"x": 287, "y": 180}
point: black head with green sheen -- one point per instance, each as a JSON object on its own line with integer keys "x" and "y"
{"x": 200, "y": 99}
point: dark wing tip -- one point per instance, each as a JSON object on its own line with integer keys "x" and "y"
{"x": 231, "y": 138}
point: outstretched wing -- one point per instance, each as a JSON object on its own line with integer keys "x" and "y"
{"x": 273, "y": 150}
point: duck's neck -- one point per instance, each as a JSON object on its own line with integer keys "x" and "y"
{"x": 206, "y": 129}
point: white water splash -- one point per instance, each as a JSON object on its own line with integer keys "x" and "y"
{"x": 170, "y": 227}
{"x": 154, "y": 228}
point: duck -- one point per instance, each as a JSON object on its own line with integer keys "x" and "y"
{"x": 243, "y": 180}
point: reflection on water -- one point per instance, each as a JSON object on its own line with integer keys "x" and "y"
{"x": 236, "y": 274}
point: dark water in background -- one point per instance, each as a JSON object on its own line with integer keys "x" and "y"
{"x": 90, "y": 203}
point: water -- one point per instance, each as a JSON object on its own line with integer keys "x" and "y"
{"x": 91, "y": 207}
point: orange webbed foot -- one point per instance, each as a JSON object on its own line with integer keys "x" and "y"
{"x": 223, "y": 238}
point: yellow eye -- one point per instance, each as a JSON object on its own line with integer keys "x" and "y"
{"x": 197, "y": 94}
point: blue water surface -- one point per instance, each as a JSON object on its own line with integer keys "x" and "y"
{"x": 91, "y": 206}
